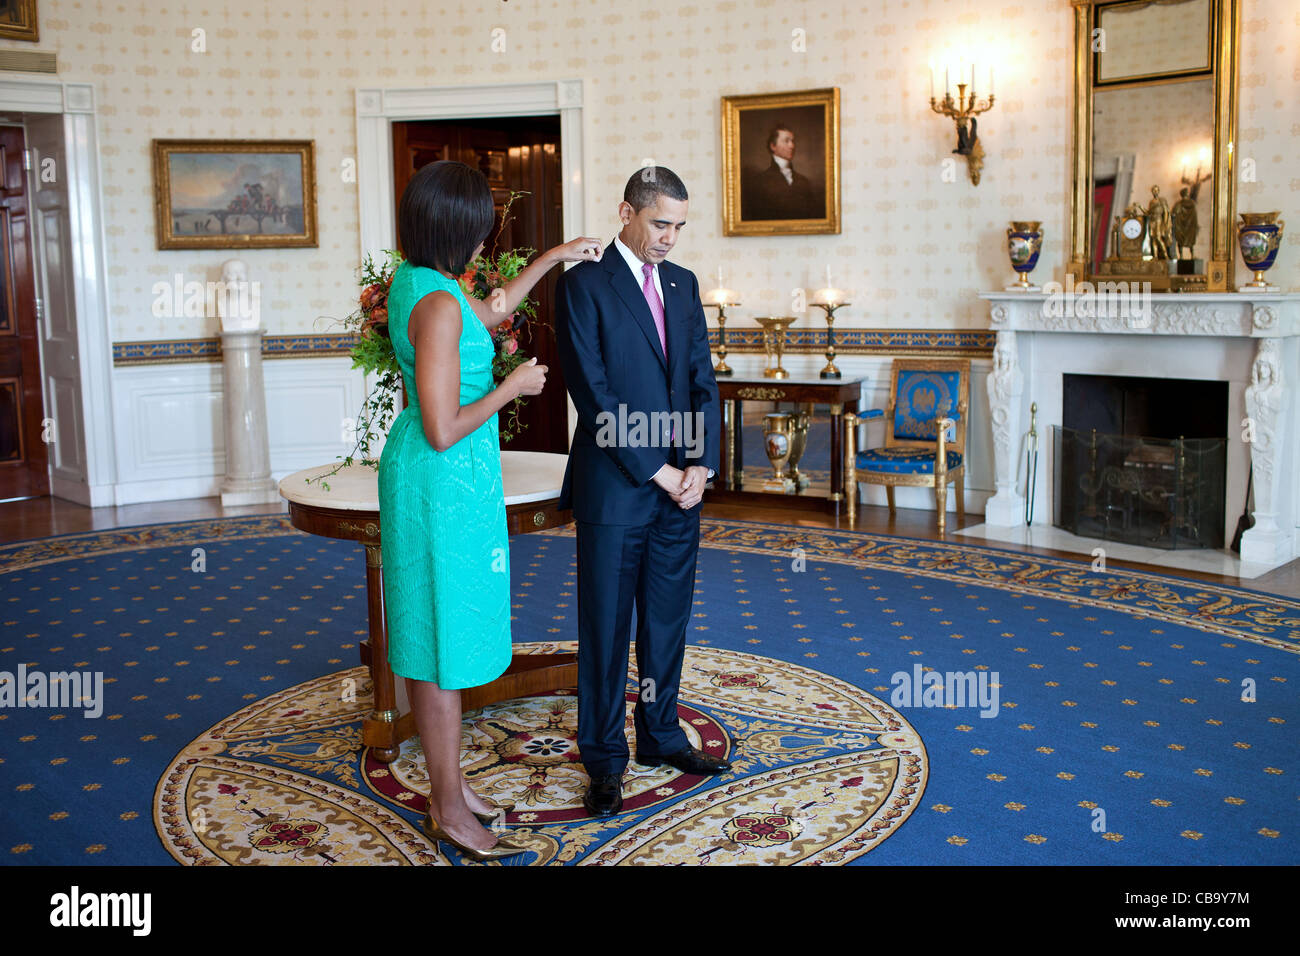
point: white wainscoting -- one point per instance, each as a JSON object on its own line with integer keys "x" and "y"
{"x": 171, "y": 437}
{"x": 875, "y": 370}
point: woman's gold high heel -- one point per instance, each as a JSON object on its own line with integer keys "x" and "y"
{"x": 498, "y": 811}
{"x": 503, "y": 847}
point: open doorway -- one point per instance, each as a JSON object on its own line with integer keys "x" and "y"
{"x": 519, "y": 153}
{"x": 24, "y": 456}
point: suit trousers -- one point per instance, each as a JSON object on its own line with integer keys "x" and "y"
{"x": 651, "y": 566}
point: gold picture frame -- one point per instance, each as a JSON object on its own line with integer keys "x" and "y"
{"x": 19, "y": 21}
{"x": 234, "y": 193}
{"x": 758, "y": 132}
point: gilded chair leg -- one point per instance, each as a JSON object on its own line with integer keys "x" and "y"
{"x": 850, "y": 469}
{"x": 889, "y": 496}
{"x": 941, "y": 469}
{"x": 961, "y": 496}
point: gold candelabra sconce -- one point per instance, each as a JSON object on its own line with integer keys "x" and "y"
{"x": 963, "y": 107}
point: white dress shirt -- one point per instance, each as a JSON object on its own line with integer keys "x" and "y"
{"x": 636, "y": 265}
{"x": 786, "y": 170}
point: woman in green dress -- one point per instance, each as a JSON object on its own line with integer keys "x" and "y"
{"x": 441, "y": 504}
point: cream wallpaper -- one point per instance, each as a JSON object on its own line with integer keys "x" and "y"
{"x": 916, "y": 244}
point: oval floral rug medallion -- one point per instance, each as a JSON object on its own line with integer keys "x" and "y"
{"x": 822, "y": 772}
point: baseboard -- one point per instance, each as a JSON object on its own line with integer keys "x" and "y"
{"x": 92, "y": 496}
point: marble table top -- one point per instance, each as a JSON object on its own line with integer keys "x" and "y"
{"x": 527, "y": 476}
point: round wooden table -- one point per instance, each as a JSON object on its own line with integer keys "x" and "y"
{"x": 350, "y": 510}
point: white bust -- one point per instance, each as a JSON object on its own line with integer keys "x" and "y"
{"x": 234, "y": 270}
{"x": 238, "y": 301}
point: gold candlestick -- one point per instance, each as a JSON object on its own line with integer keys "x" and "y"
{"x": 831, "y": 370}
{"x": 722, "y": 299}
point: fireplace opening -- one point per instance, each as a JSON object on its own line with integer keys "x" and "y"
{"x": 1142, "y": 460}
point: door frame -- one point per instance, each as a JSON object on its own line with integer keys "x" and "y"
{"x": 377, "y": 109}
{"x": 76, "y": 103}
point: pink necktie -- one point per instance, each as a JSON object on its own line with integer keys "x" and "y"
{"x": 657, "y": 310}
{"x": 652, "y": 300}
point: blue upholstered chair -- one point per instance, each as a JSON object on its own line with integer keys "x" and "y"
{"x": 925, "y": 434}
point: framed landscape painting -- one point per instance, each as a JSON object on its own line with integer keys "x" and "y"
{"x": 234, "y": 193}
{"x": 781, "y": 163}
{"x": 18, "y": 20}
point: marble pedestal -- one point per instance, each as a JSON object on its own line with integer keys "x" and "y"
{"x": 248, "y": 449}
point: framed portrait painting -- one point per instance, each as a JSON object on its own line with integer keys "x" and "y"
{"x": 234, "y": 193}
{"x": 18, "y": 20}
{"x": 781, "y": 163}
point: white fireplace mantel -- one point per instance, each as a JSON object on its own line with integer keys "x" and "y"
{"x": 1251, "y": 341}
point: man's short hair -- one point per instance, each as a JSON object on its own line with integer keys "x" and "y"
{"x": 649, "y": 183}
{"x": 776, "y": 131}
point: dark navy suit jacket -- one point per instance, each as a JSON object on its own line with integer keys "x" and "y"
{"x": 609, "y": 352}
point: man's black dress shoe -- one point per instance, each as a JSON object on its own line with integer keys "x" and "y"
{"x": 689, "y": 760}
{"x": 604, "y": 796}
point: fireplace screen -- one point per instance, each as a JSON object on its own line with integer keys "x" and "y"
{"x": 1153, "y": 492}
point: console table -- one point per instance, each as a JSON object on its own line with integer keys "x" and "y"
{"x": 350, "y": 510}
{"x": 841, "y": 394}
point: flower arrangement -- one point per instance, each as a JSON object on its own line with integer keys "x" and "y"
{"x": 482, "y": 276}
{"x": 373, "y": 351}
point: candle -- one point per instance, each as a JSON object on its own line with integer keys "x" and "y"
{"x": 972, "y": 77}
{"x": 719, "y": 277}
{"x": 946, "y": 86}
{"x": 932, "y": 79}
{"x": 990, "y": 81}
{"x": 828, "y": 296}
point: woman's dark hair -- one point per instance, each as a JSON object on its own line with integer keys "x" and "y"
{"x": 445, "y": 212}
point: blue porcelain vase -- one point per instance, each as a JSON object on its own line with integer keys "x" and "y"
{"x": 1259, "y": 234}
{"x": 1024, "y": 243}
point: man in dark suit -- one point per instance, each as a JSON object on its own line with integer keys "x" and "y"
{"x": 777, "y": 191}
{"x": 635, "y": 353}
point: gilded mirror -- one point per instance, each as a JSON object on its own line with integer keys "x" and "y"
{"x": 1154, "y": 126}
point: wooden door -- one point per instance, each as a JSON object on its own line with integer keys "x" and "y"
{"x": 24, "y": 457}
{"x": 522, "y": 154}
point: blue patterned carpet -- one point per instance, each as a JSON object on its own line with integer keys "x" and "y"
{"x": 1121, "y": 734}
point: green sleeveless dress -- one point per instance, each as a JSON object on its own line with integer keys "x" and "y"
{"x": 443, "y": 518}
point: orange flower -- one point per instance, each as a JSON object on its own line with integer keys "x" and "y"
{"x": 373, "y": 295}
